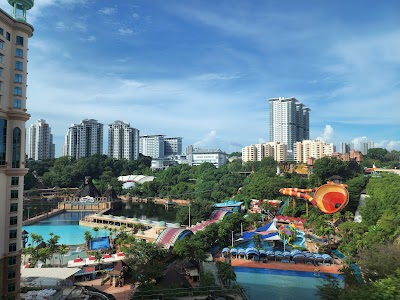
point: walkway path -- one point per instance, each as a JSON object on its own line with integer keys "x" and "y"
{"x": 334, "y": 269}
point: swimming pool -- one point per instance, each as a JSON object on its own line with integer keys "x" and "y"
{"x": 66, "y": 225}
{"x": 278, "y": 284}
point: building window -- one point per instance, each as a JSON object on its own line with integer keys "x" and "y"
{"x": 19, "y": 65}
{"x": 13, "y": 207}
{"x": 18, "y": 78}
{"x": 12, "y": 234}
{"x": 1, "y": 85}
{"x": 1, "y": 58}
{"x": 1, "y": 72}
{"x": 20, "y": 40}
{"x": 11, "y": 289}
{"x": 15, "y": 180}
{"x": 8, "y": 36}
{"x": 11, "y": 272}
{"x": 17, "y": 91}
{"x": 14, "y": 194}
{"x": 16, "y": 148}
{"x": 19, "y": 52}
{"x": 12, "y": 260}
{"x": 3, "y": 141}
{"x": 17, "y": 103}
{"x": 13, "y": 220}
{"x": 1, "y": 31}
{"x": 1, "y": 44}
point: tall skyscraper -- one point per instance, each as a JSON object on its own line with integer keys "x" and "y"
{"x": 288, "y": 122}
{"x": 123, "y": 141}
{"x": 152, "y": 145}
{"x": 14, "y": 34}
{"x": 172, "y": 146}
{"x": 40, "y": 143}
{"x": 345, "y": 148}
{"x": 84, "y": 139}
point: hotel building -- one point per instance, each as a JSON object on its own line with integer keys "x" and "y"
{"x": 14, "y": 35}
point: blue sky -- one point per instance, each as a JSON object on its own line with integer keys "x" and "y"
{"x": 204, "y": 70}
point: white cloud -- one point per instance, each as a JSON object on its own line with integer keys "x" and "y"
{"x": 216, "y": 76}
{"x": 389, "y": 145}
{"x": 125, "y": 31}
{"x": 207, "y": 140}
{"x": 327, "y": 135}
{"x": 107, "y": 11}
{"x": 89, "y": 39}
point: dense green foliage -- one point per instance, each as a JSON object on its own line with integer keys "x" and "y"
{"x": 373, "y": 244}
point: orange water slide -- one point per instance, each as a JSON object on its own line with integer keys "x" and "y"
{"x": 329, "y": 198}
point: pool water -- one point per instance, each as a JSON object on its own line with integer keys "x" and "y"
{"x": 278, "y": 284}
{"x": 66, "y": 225}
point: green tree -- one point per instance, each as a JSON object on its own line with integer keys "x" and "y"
{"x": 225, "y": 273}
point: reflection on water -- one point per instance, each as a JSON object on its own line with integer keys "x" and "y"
{"x": 154, "y": 212}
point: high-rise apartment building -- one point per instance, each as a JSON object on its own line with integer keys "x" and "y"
{"x": 344, "y": 148}
{"x": 172, "y": 146}
{"x": 289, "y": 122}
{"x": 152, "y": 145}
{"x": 14, "y": 34}
{"x": 123, "y": 141}
{"x": 40, "y": 143}
{"x": 364, "y": 147}
{"x": 84, "y": 139}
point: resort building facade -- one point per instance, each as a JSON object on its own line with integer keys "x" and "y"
{"x": 84, "y": 139}
{"x": 152, "y": 145}
{"x": 197, "y": 156}
{"x": 40, "y": 143}
{"x": 123, "y": 141}
{"x": 307, "y": 149}
{"x": 278, "y": 151}
{"x": 14, "y": 35}
{"x": 172, "y": 146}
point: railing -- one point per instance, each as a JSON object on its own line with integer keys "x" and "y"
{"x": 167, "y": 294}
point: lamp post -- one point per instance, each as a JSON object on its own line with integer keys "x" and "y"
{"x": 232, "y": 239}
{"x": 241, "y": 229}
{"x": 25, "y": 235}
{"x": 189, "y": 214}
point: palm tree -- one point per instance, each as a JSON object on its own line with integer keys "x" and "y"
{"x": 52, "y": 244}
{"x": 96, "y": 229}
{"x": 62, "y": 250}
{"x": 257, "y": 241}
{"x": 226, "y": 273}
{"x": 36, "y": 239}
{"x": 105, "y": 230}
{"x": 88, "y": 237}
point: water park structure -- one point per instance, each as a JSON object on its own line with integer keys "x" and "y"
{"x": 328, "y": 198}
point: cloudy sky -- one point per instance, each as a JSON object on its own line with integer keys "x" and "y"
{"x": 204, "y": 70}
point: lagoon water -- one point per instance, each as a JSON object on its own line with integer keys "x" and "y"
{"x": 66, "y": 225}
{"x": 262, "y": 284}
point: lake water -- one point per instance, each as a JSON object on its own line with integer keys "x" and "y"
{"x": 278, "y": 284}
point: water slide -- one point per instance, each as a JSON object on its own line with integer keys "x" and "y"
{"x": 357, "y": 216}
{"x": 283, "y": 206}
{"x": 328, "y": 198}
